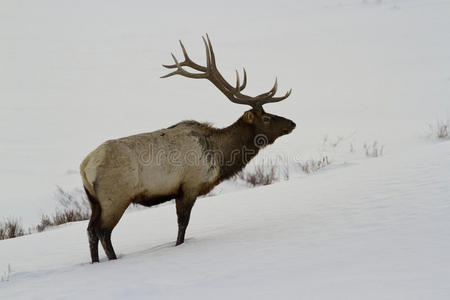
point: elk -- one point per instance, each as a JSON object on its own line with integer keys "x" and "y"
{"x": 180, "y": 162}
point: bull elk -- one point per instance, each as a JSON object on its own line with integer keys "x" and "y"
{"x": 180, "y": 162}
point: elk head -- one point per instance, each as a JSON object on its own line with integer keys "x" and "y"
{"x": 269, "y": 125}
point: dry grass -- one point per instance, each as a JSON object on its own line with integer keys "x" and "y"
{"x": 7, "y": 274}
{"x": 314, "y": 165}
{"x": 440, "y": 129}
{"x": 374, "y": 149}
{"x": 332, "y": 143}
{"x": 72, "y": 207}
{"x": 264, "y": 173}
{"x": 75, "y": 207}
{"x": 11, "y": 228}
{"x": 261, "y": 175}
{"x": 76, "y": 200}
{"x": 45, "y": 222}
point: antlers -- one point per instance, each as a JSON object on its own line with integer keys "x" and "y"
{"x": 211, "y": 73}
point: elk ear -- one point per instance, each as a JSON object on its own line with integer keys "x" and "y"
{"x": 249, "y": 117}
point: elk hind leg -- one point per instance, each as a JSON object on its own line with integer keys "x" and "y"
{"x": 105, "y": 239}
{"x": 110, "y": 216}
{"x": 92, "y": 228}
{"x": 93, "y": 241}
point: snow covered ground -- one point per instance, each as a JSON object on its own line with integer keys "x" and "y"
{"x": 377, "y": 229}
{"x": 76, "y": 73}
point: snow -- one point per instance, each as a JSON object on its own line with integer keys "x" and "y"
{"x": 76, "y": 73}
{"x": 374, "y": 230}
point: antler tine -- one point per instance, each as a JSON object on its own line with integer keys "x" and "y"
{"x": 211, "y": 73}
{"x": 276, "y": 99}
{"x": 216, "y": 71}
{"x": 214, "y": 66}
{"x": 211, "y": 51}
{"x": 271, "y": 92}
{"x": 181, "y": 71}
{"x": 177, "y": 65}
{"x": 244, "y": 82}
{"x": 187, "y": 61}
{"x": 274, "y": 89}
{"x": 186, "y": 56}
{"x": 208, "y": 55}
{"x": 238, "y": 84}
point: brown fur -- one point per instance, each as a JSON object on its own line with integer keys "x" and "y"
{"x": 120, "y": 172}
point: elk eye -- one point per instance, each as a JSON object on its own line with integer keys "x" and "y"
{"x": 266, "y": 119}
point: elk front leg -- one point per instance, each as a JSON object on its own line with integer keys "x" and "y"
{"x": 184, "y": 206}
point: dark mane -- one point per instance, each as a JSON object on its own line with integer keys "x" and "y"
{"x": 201, "y": 125}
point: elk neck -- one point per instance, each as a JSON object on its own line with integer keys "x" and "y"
{"x": 237, "y": 147}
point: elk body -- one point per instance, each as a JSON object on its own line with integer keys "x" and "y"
{"x": 181, "y": 162}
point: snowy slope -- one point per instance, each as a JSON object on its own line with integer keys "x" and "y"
{"x": 377, "y": 229}
{"x": 76, "y": 73}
